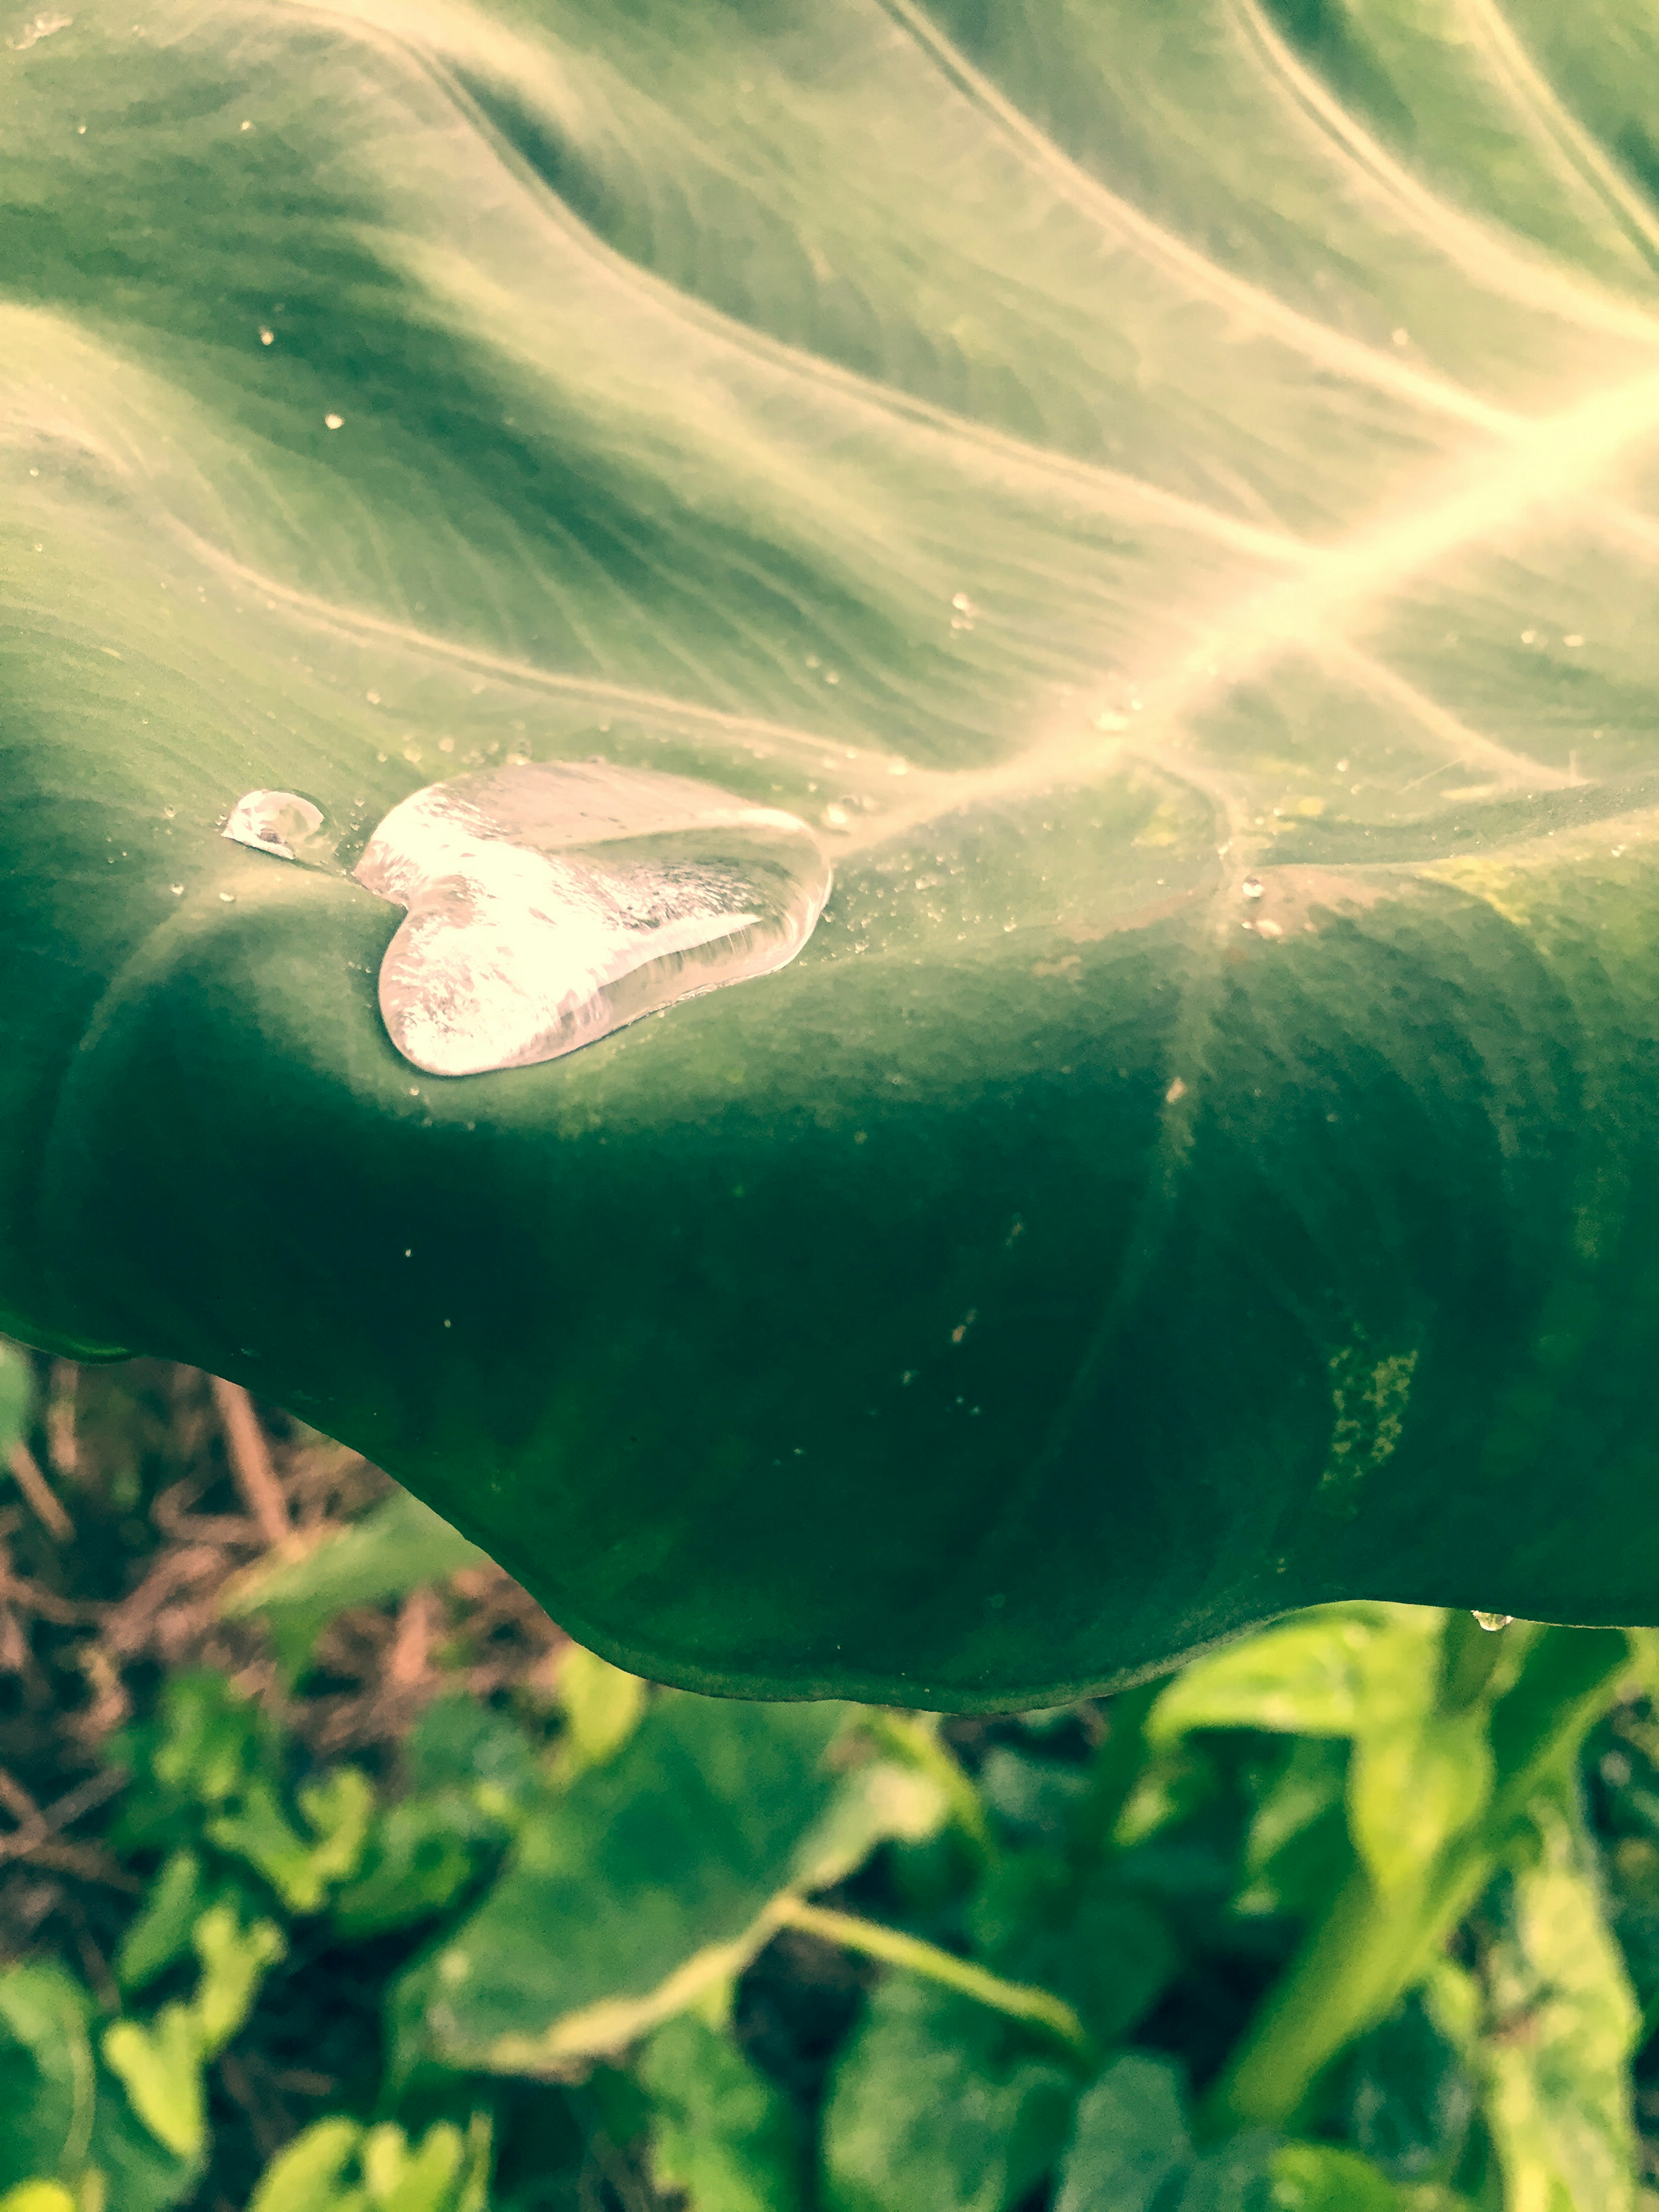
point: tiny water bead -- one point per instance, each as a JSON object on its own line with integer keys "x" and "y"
{"x": 277, "y": 822}
{"x": 1494, "y": 1620}
{"x": 550, "y": 903}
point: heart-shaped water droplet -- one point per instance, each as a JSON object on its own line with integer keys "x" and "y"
{"x": 277, "y": 822}
{"x": 550, "y": 903}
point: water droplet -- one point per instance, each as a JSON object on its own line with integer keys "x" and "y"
{"x": 1251, "y": 888}
{"x": 275, "y": 822}
{"x": 228, "y": 898}
{"x": 169, "y": 812}
{"x": 334, "y": 422}
{"x": 177, "y": 890}
{"x": 1494, "y": 1620}
{"x": 552, "y": 903}
{"x": 267, "y": 337}
{"x": 962, "y": 603}
{"x": 1574, "y": 639}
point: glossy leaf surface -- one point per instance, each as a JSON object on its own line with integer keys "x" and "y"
{"x": 1165, "y": 494}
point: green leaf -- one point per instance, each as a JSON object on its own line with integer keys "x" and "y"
{"x": 1109, "y": 1953}
{"x": 1130, "y": 2143}
{"x": 48, "y": 2079}
{"x": 722, "y": 2135}
{"x": 1319, "y": 2178}
{"x": 1163, "y": 491}
{"x": 38, "y": 2197}
{"x": 160, "y": 2067}
{"x": 1311, "y": 1677}
{"x": 648, "y": 1882}
{"x": 1561, "y": 2027}
{"x": 1414, "y": 1785}
{"x": 1411, "y": 2096}
{"x": 301, "y": 1868}
{"x": 935, "y": 2107}
{"x": 423, "y": 1855}
{"x": 308, "y": 2176}
{"x": 603, "y": 1706}
{"x": 397, "y": 1546}
{"x": 159, "y": 1933}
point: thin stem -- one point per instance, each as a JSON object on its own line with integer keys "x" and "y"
{"x": 26, "y": 1472}
{"x": 250, "y": 1462}
{"x": 1038, "y": 2008}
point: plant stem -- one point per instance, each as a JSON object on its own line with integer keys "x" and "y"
{"x": 1038, "y": 2009}
{"x": 1365, "y": 1951}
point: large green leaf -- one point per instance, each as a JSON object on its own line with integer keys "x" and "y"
{"x": 1164, "y": 491}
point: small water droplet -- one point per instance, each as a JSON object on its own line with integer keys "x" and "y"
{"x": 334, "y": 422}
{"x": 1251, "y": 888}
{"x": 169, "y": 812}
{"x": 1494, "y": 1620}
{"x": 962, "y": 603}
{"x": 177, "y": 890}
{"x": 275, "y": 822}
{"x": 1574, "y": 639}
{"x": 228, "y": 898}
{"x": 267, "y": 337}
{"x": 552, "y": 903}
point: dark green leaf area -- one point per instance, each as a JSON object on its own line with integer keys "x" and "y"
{"x": 1105, "y": 1949}
{"x": 672, "y": 1848}
{"x": 207, "y": 1747}
{"x": 722, "y": 2134}
{"x": 937, "y": 2107}
{"x": 47, "y": 2073}
{"x": 1410, "y": 2097}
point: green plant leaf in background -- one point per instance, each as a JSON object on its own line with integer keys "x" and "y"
{"x": 938, "y": 2106}
{"x": 1165, "y": 494}
{"x": 1561, "y": 2024}
{"x": 723, "y": 2136}
{"x": 646, "y": 1885}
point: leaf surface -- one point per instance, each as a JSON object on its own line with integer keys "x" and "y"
{"x": 1165, "y": 494}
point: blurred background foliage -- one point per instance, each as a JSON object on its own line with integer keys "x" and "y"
{"x": 334, "y": 1879}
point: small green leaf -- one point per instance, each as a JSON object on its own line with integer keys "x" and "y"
{"x": 936, "y": 2107}
{"x": 1410, "y": 2095}
{"x": 401, "y": 2178}
{"x": 1413, "y": 1786}
{"x": 309, "y": 2175}
{"x": 1130, "y": 2142}
{"x": 338, "y": 1810}
{"x": 1319, "y": 2178}
{"x": 603, "y": 1706}
{"x": 160, "y": 1931}
{"x": 38, "y": 2197}
{"x": 421, "y": 1856}
{"x": 722, "y": 2134}
{"x": 399, "y": 1545}
{"x": 1561, "y": 2024}
{"x": 1310, "y": 1677}
{"x": 160, "y": 2069}
{"x": 234, "y": 1961}
{"x": 301, "y": 1868}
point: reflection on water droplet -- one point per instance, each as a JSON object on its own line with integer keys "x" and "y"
{"x": 1494, "y": 1619}
{"x": 177, "y": 890}
{"x": 550, "y": 903}
{"x": 1251, "y": 888}
{"x": 277, "y": 822}
{"x": 334, "y": 422}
